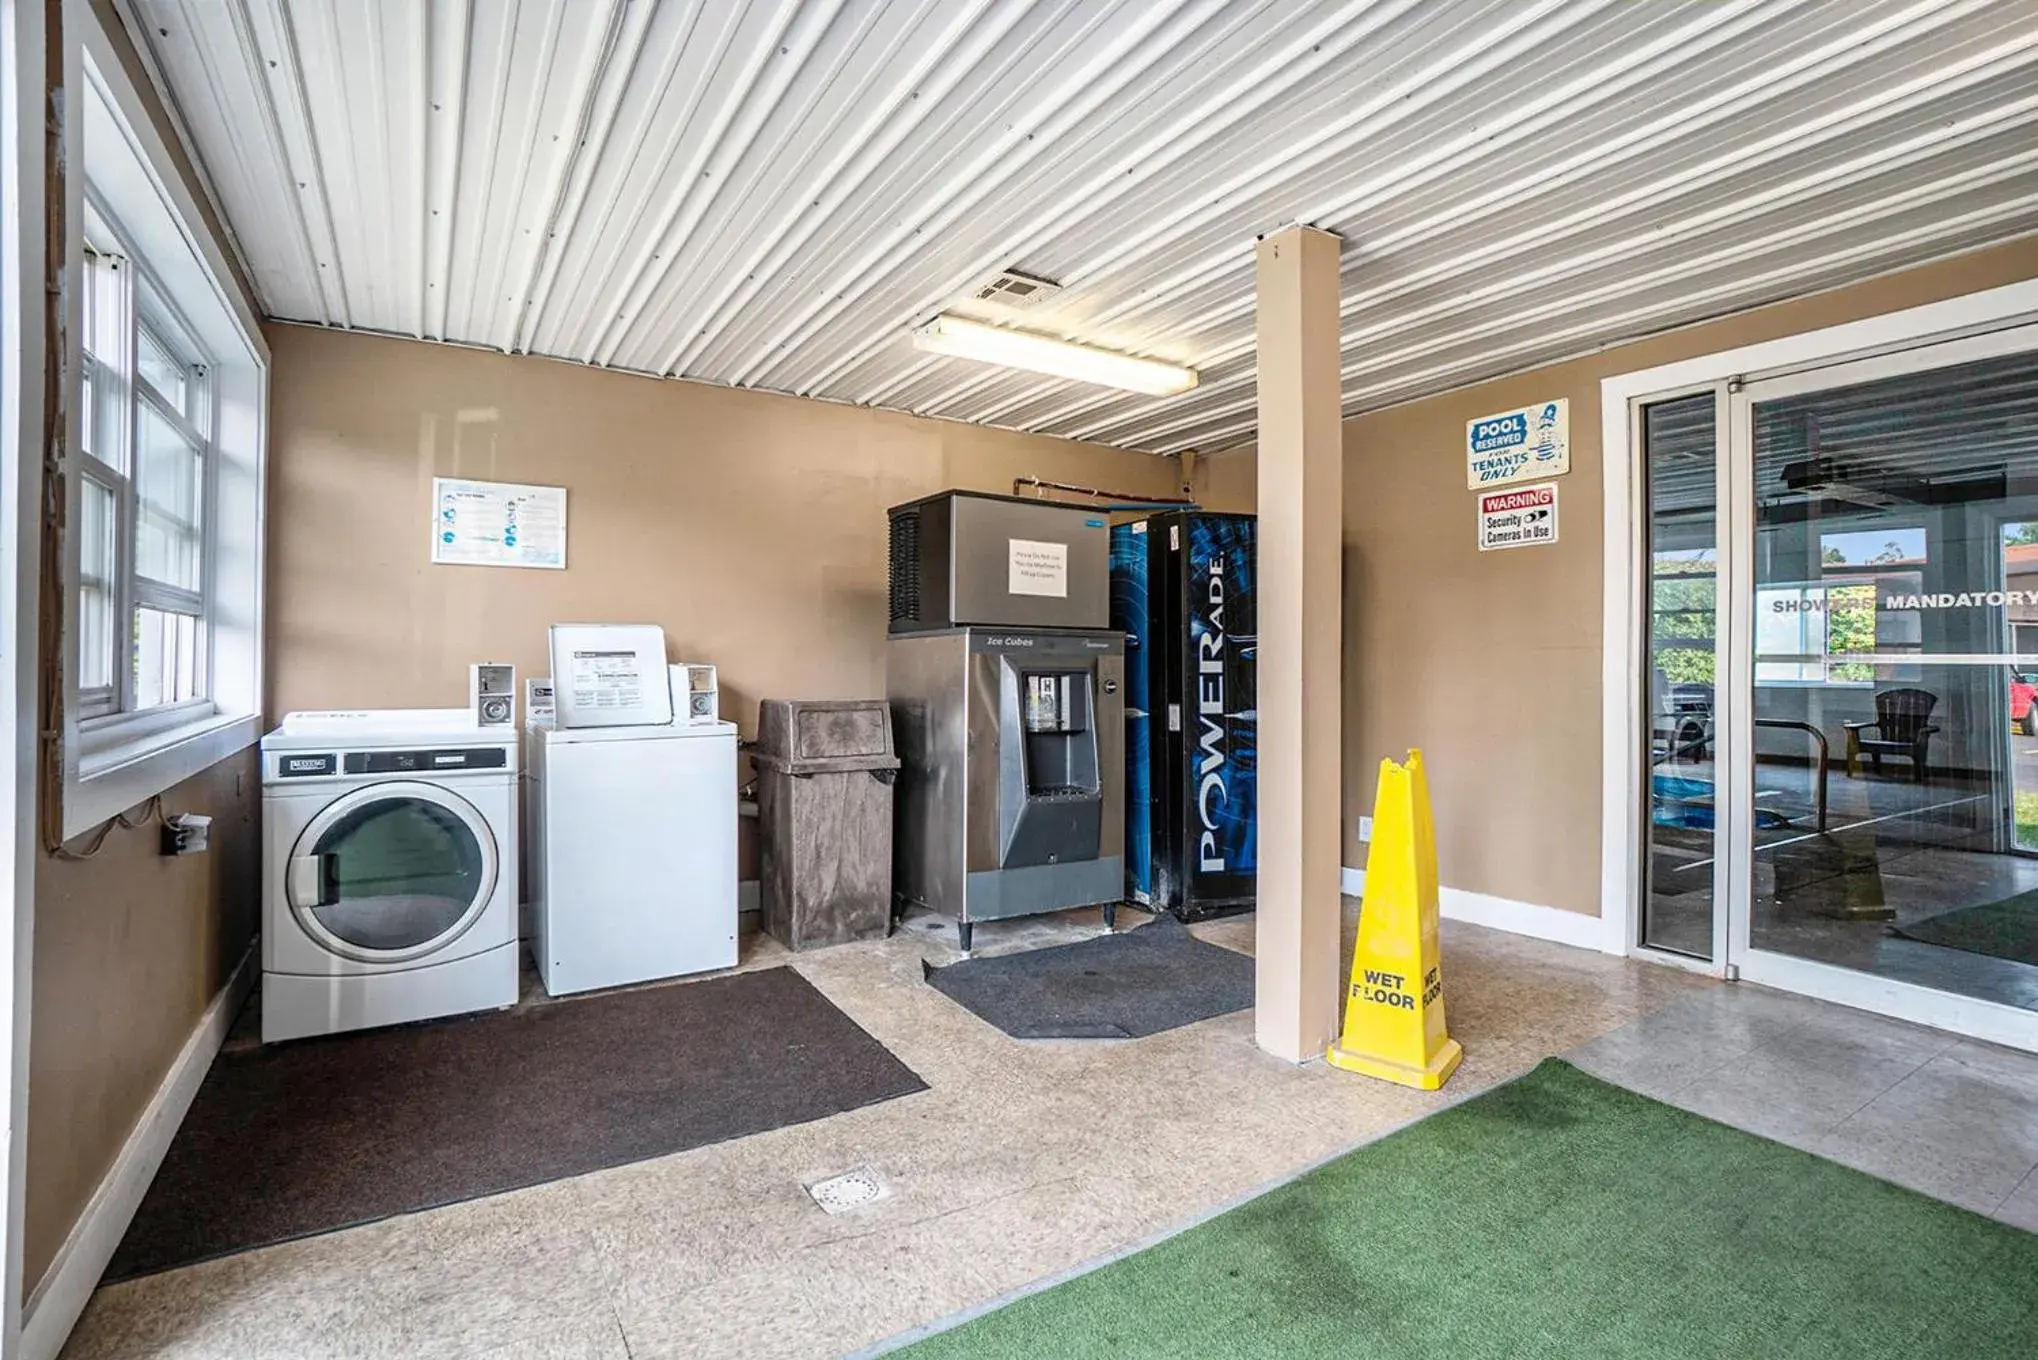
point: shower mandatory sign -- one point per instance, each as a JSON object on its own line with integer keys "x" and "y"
{"x": 1522, "y": 517}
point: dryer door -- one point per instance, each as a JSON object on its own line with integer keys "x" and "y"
{"x": 392, "y": 872}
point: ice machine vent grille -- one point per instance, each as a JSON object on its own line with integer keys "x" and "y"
{"x": 905, "y": 567}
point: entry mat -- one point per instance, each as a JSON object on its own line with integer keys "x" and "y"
{"x": 1556, "y": 1216}
{"x": 2005, "y": 930}
{"x": 327, "y": 1133}
{"x": 1120, "y": 986}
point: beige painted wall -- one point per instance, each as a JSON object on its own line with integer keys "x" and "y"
{"x": 130, "y": 948}
{"x": 1227, "y": 481}
{"x": 750, "y": 526}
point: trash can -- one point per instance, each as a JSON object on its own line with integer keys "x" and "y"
{"x": 824, "y": 808}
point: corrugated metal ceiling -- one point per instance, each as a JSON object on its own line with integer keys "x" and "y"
{"x": 771, "y": 193}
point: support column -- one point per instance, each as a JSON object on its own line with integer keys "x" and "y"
{"x": 1301, "y": 544}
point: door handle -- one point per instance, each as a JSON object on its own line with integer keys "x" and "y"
{"x": 311, "y": 881}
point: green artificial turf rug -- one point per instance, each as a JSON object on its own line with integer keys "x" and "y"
{"x": 1556, "y": 1216}
{"x": 2005, "y": 930}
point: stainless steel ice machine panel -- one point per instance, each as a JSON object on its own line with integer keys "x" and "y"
{"x": 1011, "y": 786}
{"x": 963, "y": 558}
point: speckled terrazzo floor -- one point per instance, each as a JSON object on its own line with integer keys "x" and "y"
{"x": 1023, "y": 1160}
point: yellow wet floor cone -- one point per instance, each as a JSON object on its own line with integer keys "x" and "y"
{"x": 1394, "y": 1013}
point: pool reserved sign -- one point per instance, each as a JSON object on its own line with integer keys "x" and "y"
{"x": 1519, "y": 445}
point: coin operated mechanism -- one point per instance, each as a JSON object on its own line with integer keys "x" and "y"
{"x": 492, "y": 693}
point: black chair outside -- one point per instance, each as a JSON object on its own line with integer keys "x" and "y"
{"x": 1902, "y": 727}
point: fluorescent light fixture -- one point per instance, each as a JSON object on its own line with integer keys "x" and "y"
{"x": 966, "y": 339}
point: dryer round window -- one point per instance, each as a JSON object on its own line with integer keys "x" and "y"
{"x": 392, "y": 872}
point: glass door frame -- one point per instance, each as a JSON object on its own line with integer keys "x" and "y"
{"x": 1995, "y": 321}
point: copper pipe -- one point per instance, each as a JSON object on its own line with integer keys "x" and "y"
{"x": 1137, "y": 497}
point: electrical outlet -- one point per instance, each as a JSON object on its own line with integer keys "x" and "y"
{"x": 187, "y": 833}
{"x": 1366, "y": 829}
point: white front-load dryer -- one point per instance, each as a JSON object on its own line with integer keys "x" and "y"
{"x": 389, "y": 875}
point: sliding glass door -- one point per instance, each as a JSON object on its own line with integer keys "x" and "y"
{"x": 1885, "y": 674}
{"x": 1840, "y": 676}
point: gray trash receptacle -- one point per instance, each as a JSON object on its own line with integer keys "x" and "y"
{"x": 824, "y": 802}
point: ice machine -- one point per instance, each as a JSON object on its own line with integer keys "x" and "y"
{"x": 1006, "y": 686}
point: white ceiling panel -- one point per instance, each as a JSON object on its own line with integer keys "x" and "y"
{"x": 772, "y": 193}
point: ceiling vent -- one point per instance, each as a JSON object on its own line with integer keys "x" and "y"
{"x": 1016, "y": 291}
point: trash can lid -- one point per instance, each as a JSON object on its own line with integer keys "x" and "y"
{"x": 841, "y": 765}
{"x": 816, "y": 736}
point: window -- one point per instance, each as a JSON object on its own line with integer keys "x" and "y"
{"x": 145, "y": 443}
{"x": 1800, "y": 626}
{"x": 163, "y": 470}
{"x": 1822, "y": 632}
{"x": 1683, "y": 598}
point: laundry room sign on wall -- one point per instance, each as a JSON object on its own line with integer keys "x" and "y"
{"x": 498, "y": 524}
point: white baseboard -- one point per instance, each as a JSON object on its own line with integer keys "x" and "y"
{"x": 1502, "y": 913}
{"x": 53, "y": 1309}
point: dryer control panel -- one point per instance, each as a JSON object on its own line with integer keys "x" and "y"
{"x": 417, "y": 762}
{"x": 328, "y": 764}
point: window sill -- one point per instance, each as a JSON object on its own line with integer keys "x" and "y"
{"x": 122, "y": 775}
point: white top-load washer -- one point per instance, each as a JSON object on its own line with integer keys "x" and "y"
{"x": 633, "y": 852}
{"x": 389, "y": 875}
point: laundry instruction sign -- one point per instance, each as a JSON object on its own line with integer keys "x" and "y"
{"x": 1521, "y": 518}
{"x": 498, "y": 524}
{"x": 1515, "y": 446}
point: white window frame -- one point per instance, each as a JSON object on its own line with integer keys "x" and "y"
{"x": 112, "y": 714}
{"x": 116, "y": 757}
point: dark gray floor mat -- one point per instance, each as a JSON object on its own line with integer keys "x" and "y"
{"x": 2005, "y": 930}
{"x": 1121, "y": 986}
{"x": 319, "y": 1134}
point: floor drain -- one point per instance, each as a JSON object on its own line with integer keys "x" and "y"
{"x": 849, "y": 1190}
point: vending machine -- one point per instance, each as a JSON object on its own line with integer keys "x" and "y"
{"x": 1183, "y": 593}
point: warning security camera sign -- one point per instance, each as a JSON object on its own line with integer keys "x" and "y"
{"x": 1521, "y": 518}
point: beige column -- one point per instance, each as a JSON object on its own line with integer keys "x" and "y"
{"x": 1301, "y": 537}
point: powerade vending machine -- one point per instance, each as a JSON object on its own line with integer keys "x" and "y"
{"x": 1183, "y": 592}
